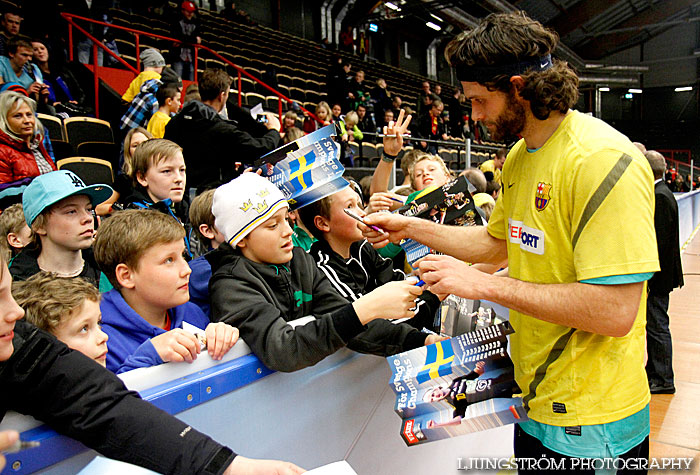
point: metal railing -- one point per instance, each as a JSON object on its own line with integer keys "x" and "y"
{"x": 70, "y": 18}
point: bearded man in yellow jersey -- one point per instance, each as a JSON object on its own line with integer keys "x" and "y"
{"x": 575, "y": 223}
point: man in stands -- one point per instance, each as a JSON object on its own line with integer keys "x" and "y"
{"x": 212, "y": 145}
{"x": 396, "y": 105}
{"x": 10, "y": 24}
{"x": 492, "y": 168}
{"x": 365, "y": 124}
{"x": 575, "y": 222}
{"x": 432, "y": 127}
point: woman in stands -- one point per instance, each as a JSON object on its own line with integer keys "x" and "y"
{"x": 22, "y": 153}
{"x": 123, "y": 185}
{"x": 65, "y": 93}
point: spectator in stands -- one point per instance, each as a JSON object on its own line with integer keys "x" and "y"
{"x": 292, "y": 134}
{"x": 346, "y": 41}
{"x": 493, "y": 188}
{"x": 454, "y": 106}
{"x": 357, "y": 92}
{"x": 432, "y": 127}
{"x": 396, "y": 104}
{"x": 425, "y": 98}
{"x": 235, "y": 15}
{"x": 141, "y": 253}
{"x": 64, "y": 91}
{"x": 381, "y": 97}
{"x": 336, "y": 80}
{"x": 10, "y": 23}
{"x": 191, "y": 94}
{"x": 336, "y": 113}
{"x": 22, "y": 152}
{"x": 188, "y": 30}
{"x": 323, "y": 112}
{"x": 365, "y": 122}
{"x": 659, "y": 365}
{"x": 355, "y": 268}
{"x": 67, "y": 308}
{"x": 492, "y": 168}
{"x": 145, "y": 103}
{"x": 257, "y": 266}
{"x": 153, "y": 64}
{"x": 202, "y": 222}
{"x": 212, "y": 145}
{"x": 289, "y": 120}
{"x": 388, "y": 117}
{"x": 96, "y": 10}
{"x": 168, "y": 97}
{"x": 16, "y": 67}
{"x": 349, "y": 132}
{"x": 437, "y": 90}
{"x": 58, "y": 207}
{"x": 14, "y": 232}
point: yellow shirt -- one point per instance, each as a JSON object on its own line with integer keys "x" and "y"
{"x": 157, "y": 123}
{"x": 578, "y": 208}
{"x": 135, "y": 86}
{"x": 490, "y": 166}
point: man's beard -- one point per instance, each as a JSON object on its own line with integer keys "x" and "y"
{"x": 510, "y": 123}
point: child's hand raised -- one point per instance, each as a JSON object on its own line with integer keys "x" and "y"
{"x": 176, "y": 345}
{"x": 393, "y": 134}
{"x": 220, "y": 338}
{"x": 391, "y": 300}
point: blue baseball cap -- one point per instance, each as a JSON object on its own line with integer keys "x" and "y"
{"x": 50, "y": 188}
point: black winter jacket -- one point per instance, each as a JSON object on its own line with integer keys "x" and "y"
{"x": 212, "y": 145}
{"x": 77, "y": 397}
{"x": 366, "y": 270}
{"x": 259, "y": 299}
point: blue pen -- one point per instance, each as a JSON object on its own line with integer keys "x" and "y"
{"x": 419, "y": 283}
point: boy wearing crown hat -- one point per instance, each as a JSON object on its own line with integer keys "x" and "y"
{"x": 58, "y": 207}
{"x": 286, "y": 310}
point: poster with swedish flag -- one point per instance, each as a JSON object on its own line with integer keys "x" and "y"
{"x": 311, "y": 173}
{"x": 456, "y": 386}
{"x": 443, "y": 362}
{"x": 284, "y": 151}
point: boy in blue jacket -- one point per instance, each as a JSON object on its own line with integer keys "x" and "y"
{"x": 141, "y": 253}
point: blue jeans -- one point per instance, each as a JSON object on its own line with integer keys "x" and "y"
{"x": 660, "y": 363}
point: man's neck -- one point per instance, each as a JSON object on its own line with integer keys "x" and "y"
{"x": 16, "y": 68}
{"x": 215, "y": 104}
{"x": 156, "y": 316}
{"x": 536, "y": 132}
{"x": 55, "y": 258}
{"x": 340, "y": 247}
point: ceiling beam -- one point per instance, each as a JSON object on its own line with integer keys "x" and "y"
{"x": 598, "y": 47}
{"x": 579, "y": 14}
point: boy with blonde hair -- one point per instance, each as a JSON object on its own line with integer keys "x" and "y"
{"x": 287, "y": 311}
{"x": 202, "y": 221}
{"x": 69, "y": 309}
{"x": 141, "y": 252}
{"x": 17, "y": 234}
{"x": 159, "y": 177}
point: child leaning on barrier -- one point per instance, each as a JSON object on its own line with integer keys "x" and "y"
{"x": 141, "y": 252}
{"x": 351, "y": 263}
{"x": 285, "y": 308}
{"x": 69, "y": 309}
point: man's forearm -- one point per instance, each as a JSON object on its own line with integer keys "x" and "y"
{"x": 380, "y": 178}
{"x": 603, "y": 309}
{"x": 466, "y": 243}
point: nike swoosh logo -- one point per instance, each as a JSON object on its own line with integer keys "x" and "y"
{"x": 509, "y": 186}
{"x": 544, "y": 65}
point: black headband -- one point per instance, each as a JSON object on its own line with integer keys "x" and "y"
{"x": 484, "y": 74}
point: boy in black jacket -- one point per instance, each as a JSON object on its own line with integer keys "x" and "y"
{"x": 349, "y": 261}
{"x": 286, "y": 310}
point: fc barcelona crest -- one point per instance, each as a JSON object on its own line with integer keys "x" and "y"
{"x": 542, "y": 195}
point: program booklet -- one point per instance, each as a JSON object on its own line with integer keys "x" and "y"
{"x": 456, "y": 386}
